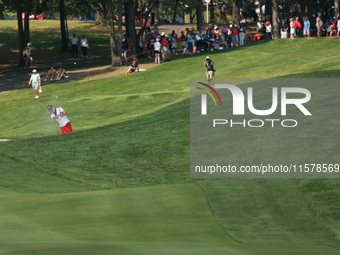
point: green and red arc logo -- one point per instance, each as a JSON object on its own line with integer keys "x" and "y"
{"x": 208, "y": 92}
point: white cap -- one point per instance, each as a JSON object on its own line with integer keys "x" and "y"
{"x": 162, "y": 34}
{"x": 28, "y": 44}
{"x": 34, "y": 70}
{"x": 231, "y": 26}
{"x": 157, "y": 39}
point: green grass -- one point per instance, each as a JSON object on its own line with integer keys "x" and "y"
{"x": 103, "y": 218}
{"x": 120, "y": 183}
{"x": 263, "y": 211}
{"x": 45, "y": 37}
{"x": 44, "y": 34}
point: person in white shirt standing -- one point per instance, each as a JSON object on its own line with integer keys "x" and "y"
{"x": 35, "y": 81}
{"x": 74, "y": 43}
{"x": 157, "y": 47}
{"x": 84, "y": 45}
{"x": 59, "y": 115}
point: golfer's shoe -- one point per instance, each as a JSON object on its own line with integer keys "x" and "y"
{"x": 36, "y": 97}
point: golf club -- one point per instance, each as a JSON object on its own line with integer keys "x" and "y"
{"x": 58, "y": 105}
{"x": 57, "y": 100}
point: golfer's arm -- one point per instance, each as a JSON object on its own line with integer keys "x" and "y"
{"x": 63, "y": 113}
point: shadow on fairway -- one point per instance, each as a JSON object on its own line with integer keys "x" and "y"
{"x": 334, "y": 73}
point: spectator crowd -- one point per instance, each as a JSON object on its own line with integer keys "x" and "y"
{"x": 160, "y": 45}
{"x": 163, "y": 46}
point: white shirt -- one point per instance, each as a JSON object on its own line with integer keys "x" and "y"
{"x": 35, "y": 78}
{"x": 62, "y": 120}
{"x": 157, "y": 46}
{"x": 74, "y": 40}
{"x": 83, "y": 42}
{"x": 269, "y": 28}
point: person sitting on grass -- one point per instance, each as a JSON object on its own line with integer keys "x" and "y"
{"x": 50, "y": 74}
{"x": 28, "y": 58}
{"x": 61, "y": 73}
{"x": 216, "y": 44}
{"x": 133, "y": 68}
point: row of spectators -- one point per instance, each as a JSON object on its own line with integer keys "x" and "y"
{"x": 316, "y": 27}
{"x": 233, "y": 34}
{"x": 189, "y": 41}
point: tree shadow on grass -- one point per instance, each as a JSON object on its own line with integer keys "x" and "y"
{"x": 335, "y": 73}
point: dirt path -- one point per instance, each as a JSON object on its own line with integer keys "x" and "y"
{"x": 18, "y": 77}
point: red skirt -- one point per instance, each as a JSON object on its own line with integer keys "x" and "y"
{"x": 66, "y": 129}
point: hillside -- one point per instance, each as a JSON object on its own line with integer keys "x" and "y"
{"x": 120, "y": 183}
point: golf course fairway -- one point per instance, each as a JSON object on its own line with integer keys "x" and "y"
{"x": 120, "y": 183}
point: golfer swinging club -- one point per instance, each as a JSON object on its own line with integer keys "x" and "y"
{"x": 59, "y": 115}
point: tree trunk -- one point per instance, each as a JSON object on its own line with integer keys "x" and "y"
{"x": 120, "y": 33}
{"x": 146, "y": 15}
{"x": 127, "y": 29}
{"x": 160, "y": 9}
{"x": 236, "y": 10}
{"x": 336, "y": 6}
{"x": 275, "y": 20}
{"x": 269, "y": 9}
{"x": 130, "y": 25}
{"x": 310, "y": 9}
{"x": 199, "y": 14}
{"x": 27, "y": 10}
{"x": 113, "y": 46}
{"x": 62, "y": 12}
{"x": 100, "y": 19}
{"x": 212, "y": 11}
{"x": 20, "y": 33}
{"x": 175, "y": 12}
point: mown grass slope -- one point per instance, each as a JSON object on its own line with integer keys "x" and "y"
{"x": 120, "y": 183}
